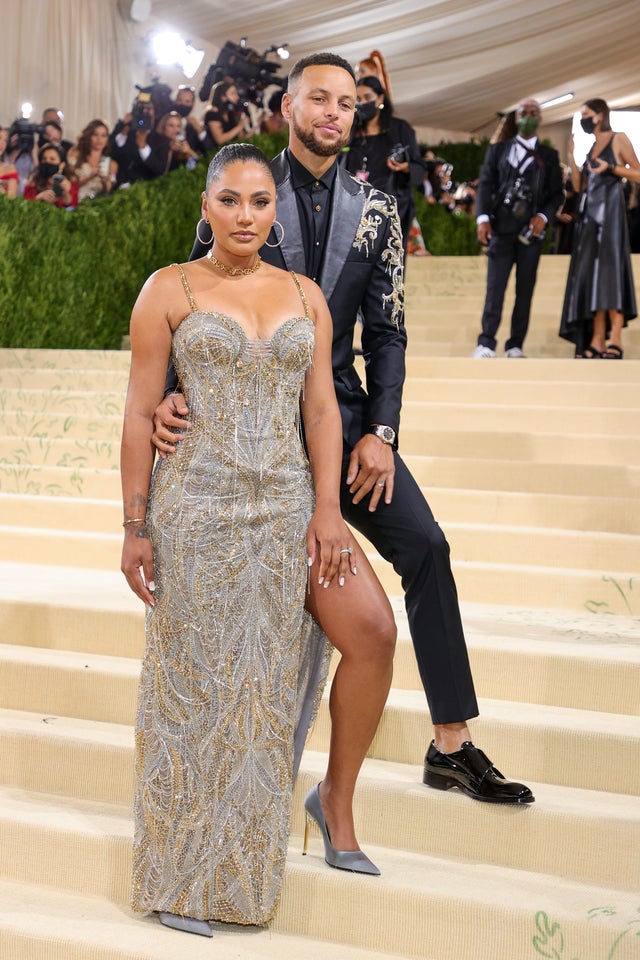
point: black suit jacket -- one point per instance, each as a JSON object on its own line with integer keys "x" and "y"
{"x": 361, "y": 278}
{"x": 549, "y": 194}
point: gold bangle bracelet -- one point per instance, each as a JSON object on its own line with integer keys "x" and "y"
{"x": 135, "y": 520}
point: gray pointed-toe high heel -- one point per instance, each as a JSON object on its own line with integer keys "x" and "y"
{"x": 354, "y": 860}
{"x": 186, "y": 924}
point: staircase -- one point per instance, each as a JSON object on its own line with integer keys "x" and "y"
{"x": 533, "y": 469}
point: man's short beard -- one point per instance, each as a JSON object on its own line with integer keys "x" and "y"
{"x": 311, "y": 142}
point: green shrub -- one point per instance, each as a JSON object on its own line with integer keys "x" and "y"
{"x": 446, "y": 234}
{"x": 68, "y": 280}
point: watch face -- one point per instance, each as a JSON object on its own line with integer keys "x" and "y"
{"x": 386, "y": 434}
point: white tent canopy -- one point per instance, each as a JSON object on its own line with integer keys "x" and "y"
{"x": 453, "y": 64}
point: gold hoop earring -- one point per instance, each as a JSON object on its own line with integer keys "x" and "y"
{"x": 267, "y": 244}
{"x": 205, "y": 243}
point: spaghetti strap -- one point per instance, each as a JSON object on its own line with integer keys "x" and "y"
{"x": 187, "y": 288}
{"x": 303, "y": 296}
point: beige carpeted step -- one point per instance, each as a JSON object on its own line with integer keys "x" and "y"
{"x": 546, "y": 371}
{"x": 476, "y": 542}
{"x": 555, "y": 744}
{"x": 478, "y": 581}
{"x": 526, "y": 421}
{"x": 66, "y": 481}
{"x": 90, "y": 404}
{"x": 504, "y": 507}
{"x": 460, "y": 904}
{"x": 456, "y": 472}
{"x": 522, "y": 391}
{"x": 587, "y": 662}
{"x": 598, "y": 480}
{"x": 19, "y": 361}
{"x": 393, "y": 808}
{"x": 40, "y": 923}
{"x": 31, "y": 423}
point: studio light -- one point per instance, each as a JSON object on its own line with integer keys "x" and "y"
{"x": 282, "y": 52}
{"x": 556, "y": 100}
{"x": 26, "y": 110}
{"x": 169, "y": 48}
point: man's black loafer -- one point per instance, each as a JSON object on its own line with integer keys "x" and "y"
{"x": 471, "y": 771}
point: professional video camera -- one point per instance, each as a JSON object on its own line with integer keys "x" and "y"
{"x": 158, "y": 93}
{"x": 22, "y": 133}
{"x": 251, "y": 72}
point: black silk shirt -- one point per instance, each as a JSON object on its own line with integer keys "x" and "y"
{"x": 313, "y": 198}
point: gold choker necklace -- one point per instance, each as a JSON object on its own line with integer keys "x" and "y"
{"x": 233, "y": 271}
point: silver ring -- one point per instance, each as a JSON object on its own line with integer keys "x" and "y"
{"x": 346, "y": 550}
{"x": 380, "y": 484}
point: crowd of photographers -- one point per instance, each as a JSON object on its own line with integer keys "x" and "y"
{"x": 165, "y": 130}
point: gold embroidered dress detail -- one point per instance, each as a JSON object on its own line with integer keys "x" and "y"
{"x": 233, "y": 666}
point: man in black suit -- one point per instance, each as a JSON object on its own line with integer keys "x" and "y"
{"x": 519, "y": 193}
{"x": 346, "y": 235}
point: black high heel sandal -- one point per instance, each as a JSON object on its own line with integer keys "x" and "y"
{"x": 613, "y": 352}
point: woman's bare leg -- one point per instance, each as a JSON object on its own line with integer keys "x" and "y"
{"x": 358, "y": 620}
{"x": 599, "y": 326}
{"x": 617, "y": 322}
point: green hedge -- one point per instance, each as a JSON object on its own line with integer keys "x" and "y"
{"x": 70, "y": 279}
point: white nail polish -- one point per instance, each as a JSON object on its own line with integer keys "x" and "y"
{"x": 354, "y": 571}
{"x": 326, "y": 584}
{"x": 341, "y": 581}
{"x": 309, "y": 562}
{"x": 320, "y": 581}
{"x": 151, "y": 586}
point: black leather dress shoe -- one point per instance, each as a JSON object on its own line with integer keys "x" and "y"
{"x": 471, "y": 771}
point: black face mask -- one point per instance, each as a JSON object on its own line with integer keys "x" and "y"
{"x": 367, "y": 110}
{"x": 183, "y": 109}
{"x": 47, "y": 170}
{"x": 588, "y": 124}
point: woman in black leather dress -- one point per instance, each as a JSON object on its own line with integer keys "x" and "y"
{"x": 600, "y": 298}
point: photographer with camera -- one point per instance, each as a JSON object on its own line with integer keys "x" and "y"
{"x": 180, "y": 153}
{"x": 225, "y": 118}
{"x": 384, "y": 151}
{"x": 140, "y": 152}
{"x": 519, "y": 193}
{"x": 52, "y": 181}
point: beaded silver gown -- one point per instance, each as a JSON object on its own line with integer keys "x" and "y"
{"x": 233, "y": 667}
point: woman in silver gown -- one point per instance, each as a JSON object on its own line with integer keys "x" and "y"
{"x": 222, "y": 542}
{"x": 600, "y": 297}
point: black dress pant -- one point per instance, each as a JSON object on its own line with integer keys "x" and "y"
{"x": 406, "y": 534}
{"x": 504, "y": 251}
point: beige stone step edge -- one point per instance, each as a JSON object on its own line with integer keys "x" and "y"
{"x": 29, "y": 359}
{"x": 483, "y": 581}
{"x": 452, "y": 434}
{"x": 575, "y": 668}
{"x": 549, "y": 743}
{"x": 87, "y": 850}
{"x": 509, "y": 508}
{"x": 463, "y": 368}
{"x": 97, "y": 667}
{"x": 476, "y": 542}
{"x": 551, "y": 369}
{"x": 40, "y": 923}
{"x": 522, "y": 392}
{"x": 487, "y": 433}
{"x": 393, "y": 808}
{"x": 499, "y": 475}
